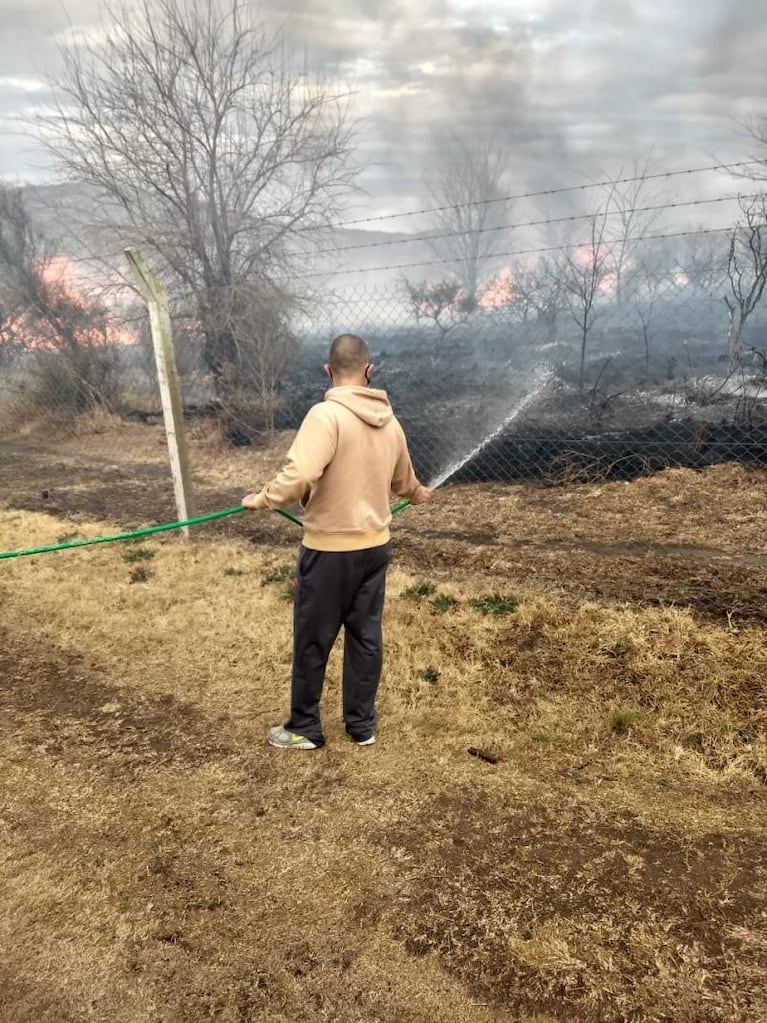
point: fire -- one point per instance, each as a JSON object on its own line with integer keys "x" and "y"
{"x": 58, "y": 274}
{"x": 499, "y": 291}
{"x": 63, "y": 288}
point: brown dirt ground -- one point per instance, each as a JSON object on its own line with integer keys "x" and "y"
{"x": 160, "y": 864}
{"x": 682, "y": 537}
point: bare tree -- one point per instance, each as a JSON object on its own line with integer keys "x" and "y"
{"x": 259, "y": 319}
{"x": 537, "y": 289}
{"x": 644, "y": 301}
{"x": 746, "y": 271}
{"x": 631, "y": 208}
{"x": 654, "y": 277}
{"x": 474, "y": 215}
{"x": 67, "y": 331}
{"x": 207, "y": 147}
{"x": 700, "y": 263}
{"x": 442, "y": 302}
{"x": 19, "y": 253}
{"x": 582, "y": 273}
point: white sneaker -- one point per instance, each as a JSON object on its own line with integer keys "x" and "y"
{"x": 283, "y": 739}
{"x": 366, "y": 742}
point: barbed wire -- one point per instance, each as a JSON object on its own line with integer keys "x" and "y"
{"x": 607, "y": 182}
{"x": 572, "y": 218}
{"x": 540, "y": 250}
{"x": 226, "y": 288}
{"x": 680, "y": 277}
{"x": 516, "y": 252}
{"x": 688, "y": 171}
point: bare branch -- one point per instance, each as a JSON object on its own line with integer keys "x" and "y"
{"x": 746, "y": 271}
{"x": 468, "y": 174}
{"x": 582, "y": 272}
{"x": 206, "y": 147}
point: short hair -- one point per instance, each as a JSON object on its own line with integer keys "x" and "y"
{"x": 348, "y": 355}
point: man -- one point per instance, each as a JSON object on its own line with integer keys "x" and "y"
{"x": 347, "y": 457}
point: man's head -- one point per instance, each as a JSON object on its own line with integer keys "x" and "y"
{"x": 349, "y": 362}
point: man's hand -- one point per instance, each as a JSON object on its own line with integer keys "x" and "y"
{"x": 253, "y": 502}
{"x": 421, "y": 496}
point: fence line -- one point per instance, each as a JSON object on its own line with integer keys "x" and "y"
{"x": 630, "y": 385}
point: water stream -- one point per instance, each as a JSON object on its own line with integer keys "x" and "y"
{"x": 530, "y": 398}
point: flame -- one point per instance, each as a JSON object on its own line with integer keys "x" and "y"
{"x": 63, "y": 283}
{"x": 499, "y": 291}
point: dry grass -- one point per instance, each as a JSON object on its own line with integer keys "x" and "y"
{"x": 160, "y": 863}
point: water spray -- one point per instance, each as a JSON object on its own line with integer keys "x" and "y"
{"x": 513, "y": 414}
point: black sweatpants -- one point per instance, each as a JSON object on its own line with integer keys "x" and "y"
{"x": 335, "y": 588}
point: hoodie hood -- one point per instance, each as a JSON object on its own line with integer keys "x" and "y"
{"x": 368, "y": 404}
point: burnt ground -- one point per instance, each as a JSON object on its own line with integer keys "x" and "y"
{"x": 562, "y": 874}
{"x": 93, "y": 486}
{"x": 63, "y": 700}
{"x": 708, "y": 580}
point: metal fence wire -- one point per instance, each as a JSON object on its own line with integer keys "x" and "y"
{"x": 507, "y": 392}
{"x": 517, "y": 385}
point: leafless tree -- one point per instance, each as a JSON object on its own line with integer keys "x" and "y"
{"x": 746, "y": 271}
{"x": 582, "y": 272}
{"x": 67, "y": 331}
{"x": 632, "y": 213}
{"x": 208, "y": 148}
{"x": 473, "y": 219}
{"x": 655, "y": 277}
{"x": 701, "y": 264}
{"x": 644, "y": 299}
{"x": 442, "y": 302}
{"x": 537, "y": 289}
{"x": 259, "y": 320}
{"x": 19, "y": 252}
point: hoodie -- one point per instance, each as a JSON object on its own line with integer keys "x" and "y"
{"x": 348, "y": 455}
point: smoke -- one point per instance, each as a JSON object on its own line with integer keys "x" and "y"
{"x": 568, "y": 90}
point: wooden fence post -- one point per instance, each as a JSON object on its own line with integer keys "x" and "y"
{"x": 173, "y": 414}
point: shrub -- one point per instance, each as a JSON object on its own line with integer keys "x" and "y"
{"x": 430, "y": 675}
{"x": 443, "y": 603}
{"x": 495, "y": 604}
{"x": 622, "y": 721}
{"x": 418, "y": 591}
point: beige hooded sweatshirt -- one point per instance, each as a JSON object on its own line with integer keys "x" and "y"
{"x": 348, "y": 455}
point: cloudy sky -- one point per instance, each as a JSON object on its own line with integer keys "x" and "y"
{"x": 570, "y": 90}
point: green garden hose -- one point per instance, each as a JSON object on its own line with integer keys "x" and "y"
{"x": 155, "y": 529}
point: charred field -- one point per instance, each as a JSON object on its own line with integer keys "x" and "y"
{"x": 600, "y": 643}
{"x": 627, "y": 417}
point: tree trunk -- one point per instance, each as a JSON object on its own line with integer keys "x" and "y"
{"x": 219, "y": 351}
{"x": 584, "y": 339}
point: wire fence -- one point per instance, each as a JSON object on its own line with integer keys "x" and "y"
{"x": 535, "y": 379}
{"x": 508, "y": 392}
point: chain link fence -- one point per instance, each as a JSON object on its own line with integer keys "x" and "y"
{"x": 549, "y": 386}
{"x": 507, "y": 393}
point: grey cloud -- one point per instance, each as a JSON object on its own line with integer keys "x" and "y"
{"x": 570, "y": 90}
{"x": 565, "y": 88}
